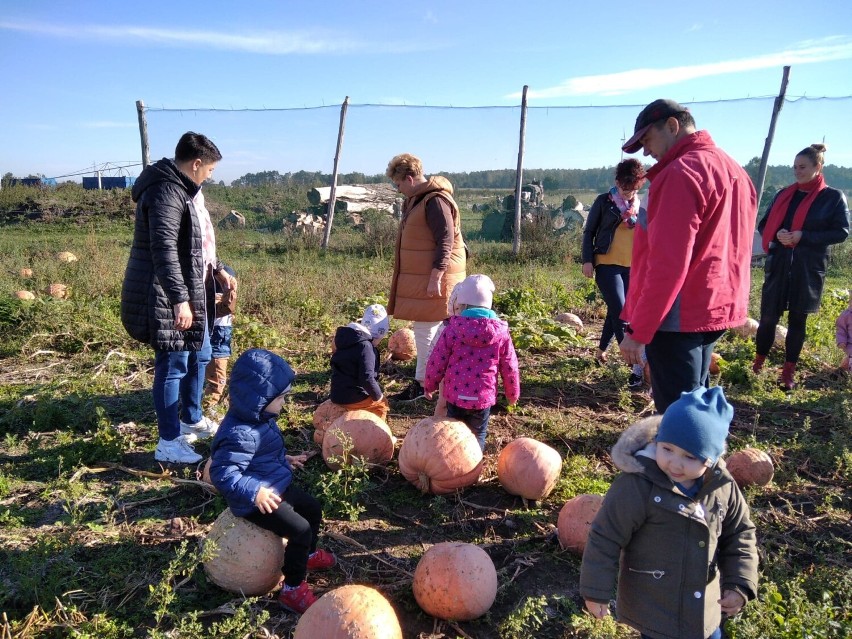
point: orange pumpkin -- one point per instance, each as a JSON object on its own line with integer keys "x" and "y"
{"x": 575, "y": 520}
{"x": 25, "y": 295}
{"x": 349, "y": 612}
{"x": 57, "y": 291}
{"x": 247, "y": 559}
{"x": 26, "y": 272}
{"x": 528, "y": 468}
{"x": 370, "y": 436}
{"x": 402, "y": 346}
{"x": 205, "y": 474}
{"x": 324, "y": 415}
{"x": 571, "y": 320}
{"x": 750, "y": 467}
{"x": 439, "y": 455}
{"x": 456, "y": 581}
{"x": 714, "y": 363}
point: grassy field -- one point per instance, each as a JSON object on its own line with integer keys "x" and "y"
{"x": 97, "y": 540}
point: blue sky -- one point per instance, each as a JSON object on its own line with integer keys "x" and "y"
{"x": 73, "y": 71}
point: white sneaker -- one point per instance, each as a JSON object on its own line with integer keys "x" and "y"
{"x": 176, "y": 451}
{"x": 205, "y": 428}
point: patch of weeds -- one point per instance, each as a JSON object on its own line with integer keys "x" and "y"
{"x": 341, "y": 490}
{"x": 256, "y": 333}
{"x": 537, "y": 333}
{"x": 580, "y": 475}
{"x": 521, "y": 301}
{"x": 352, "y": 308}
{"x": 245, "y": 620}
{"x": 162, "y": 595}
{"x": 583, "y": 625}
{"x": 39, "y": 573}
{"x": 532, "y": 614}
{"x": 9, "y": 520}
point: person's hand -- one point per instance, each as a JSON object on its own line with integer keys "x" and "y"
{"x": 427, "y": 395}
{"x": 795, "y": 237}
{"x": 732, "y": 602}
{"x": 297, "y": 461}
{"x": 183, "y": 316}
{"x": 631, "y": 351}
{"x": 266, "y": 500}
{"x": 226, "y": 281}
{"x": 788, "y": 238}
{"x": 597, "y": 610}
{"x": 588, "y": 269}
{"x": 433, "y": 289}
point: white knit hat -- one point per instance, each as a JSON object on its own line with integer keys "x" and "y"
{"x": 475, "y": 290}
{"x": 376, "y": 320}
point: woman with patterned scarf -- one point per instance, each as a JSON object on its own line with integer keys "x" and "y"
{"x": 802, "y": 221}
{"x": 607, "y": 250}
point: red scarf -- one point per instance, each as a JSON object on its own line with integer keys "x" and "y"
{"x": 779, "y": 209}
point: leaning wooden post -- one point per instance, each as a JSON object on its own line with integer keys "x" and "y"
{"x": 764, "y": 161}
{"x": 516, "y": 243}
{"x": 332, "y": 196}
{"x": 143, "y": 133}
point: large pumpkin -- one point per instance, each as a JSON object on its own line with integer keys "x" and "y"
{"x": 750, "y": 467}
{"x": 349, "y": 612}
{"x": 439, "y": 455}
{"x": 324, "y": 415}
{"x": 402, "y": 346}
{"x": 57, "y": 291}
{"x": 571, "y": 320}
{"x": 528, "y": 468}
{"x": 455, "y": 580}
{"x": 66, "y": 256}
{"x": 575, "y": 521}
{"x": 248, "y": 559}
{"x": 369, "y": 434}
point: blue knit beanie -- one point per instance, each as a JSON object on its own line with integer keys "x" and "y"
{"x": 698, "y": 422}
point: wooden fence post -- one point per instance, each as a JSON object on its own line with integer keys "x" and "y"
{"x": 332, "y": 197}
{"x": 516, "y": 243}
{"x": 764, "y": 161}
{"x": 143, "y": 133}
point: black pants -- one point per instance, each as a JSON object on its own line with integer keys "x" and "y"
{"x": 679, "y": 363}
{"x": 297, "y": 519}
{"x": 613, "y": 281}
{"x": 796, "y": 328}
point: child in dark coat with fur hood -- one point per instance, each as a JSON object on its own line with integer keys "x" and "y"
{"x": 674, "y": 531}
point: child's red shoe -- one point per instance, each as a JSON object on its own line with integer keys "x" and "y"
{"x": 298, "y": 599}
{"x": 321, "y": 560}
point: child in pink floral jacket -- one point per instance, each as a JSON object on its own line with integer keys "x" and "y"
{"x": 473, "y": 348}
{"x": 844, "y": 335}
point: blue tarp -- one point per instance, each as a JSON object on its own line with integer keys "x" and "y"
{"x": 120, "y": 182}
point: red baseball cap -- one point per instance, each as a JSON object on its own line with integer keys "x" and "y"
{"x": 654, "y": 112}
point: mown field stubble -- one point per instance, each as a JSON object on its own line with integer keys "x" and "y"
{"x": 98, "y": 540}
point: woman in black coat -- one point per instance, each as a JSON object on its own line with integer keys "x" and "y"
{"x": 608, "y": 248}
{"x": 797, "y": 229}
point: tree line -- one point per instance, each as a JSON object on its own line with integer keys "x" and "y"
{"x": 596, "y": 179}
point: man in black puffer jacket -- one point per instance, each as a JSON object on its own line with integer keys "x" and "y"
{"x": 167, "y": 299}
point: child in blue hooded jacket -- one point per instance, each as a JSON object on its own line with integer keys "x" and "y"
{"x": 252, "y": 470}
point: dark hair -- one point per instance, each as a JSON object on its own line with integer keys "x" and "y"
{"x": 684, "y": 119}
{"x": 195, "y": 146}
{"x": 630, "y": 173}
{"x": 815, "y": 153}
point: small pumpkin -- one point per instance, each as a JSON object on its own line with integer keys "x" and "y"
{"x": 455, "y": 580}
{"x": 528, "y": 468}
{"x": 714, "y": 364}
{"x": 370, "y": 436}
{"x": 402, "y": 346}
{"x": 349, "y": 612}
{"x": 26, "y": 272}
{"x": 25, "y": 295}
{"x": 780, "y": 336}
{"x": 571, "y": 320}
{"x": 324, "y": 415}
{"x": 247, "y": 559}
{"x": 575, "y": 521}
{"x": 57, "y": 291}
{"x": 750, "y": 467}
{"x": 747, "y": 329}
{"x": 66, "y": 256}
{"x": 440, "y": 455}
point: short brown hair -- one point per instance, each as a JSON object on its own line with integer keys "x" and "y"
{"x": 630, "y": 174}
{"x": 815, "y": 153}
{"x": 404, "y": 165}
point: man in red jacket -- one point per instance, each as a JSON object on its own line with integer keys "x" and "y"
{"x": 691, "y": 267}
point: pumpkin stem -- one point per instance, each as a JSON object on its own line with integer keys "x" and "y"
{"x": 423, "y": 482}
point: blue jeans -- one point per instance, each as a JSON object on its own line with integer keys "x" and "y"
{"x": 179, "y": 378}
{"x": 679, "y": 364}
{"x": 220, "y": 341}
{"x": 476, "y": 420}
{"x": 613, "y": 281}
{"x": 717, "y": 634}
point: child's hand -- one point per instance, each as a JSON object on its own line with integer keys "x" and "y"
{"x": 427, "y": 395}
{"x": 732, "y": 602}
{"x": 266, "y": 501}
{"x": 597, "y": 610}
{"x": 297, "y": 461}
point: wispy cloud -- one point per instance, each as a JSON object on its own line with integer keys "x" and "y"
{"x": 807, "y": 52}
{"x": 262, "y": 42}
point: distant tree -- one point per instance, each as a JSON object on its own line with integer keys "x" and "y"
{"x": 7, "y": 179}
